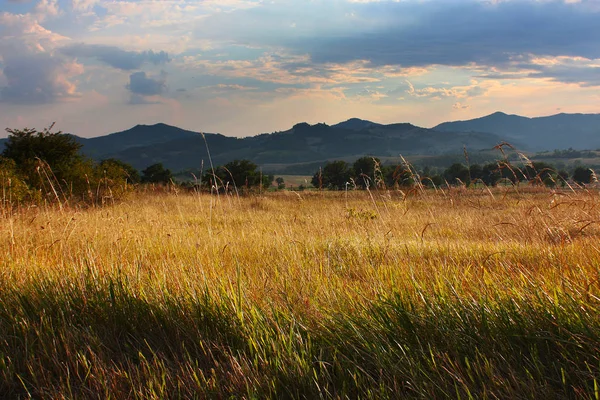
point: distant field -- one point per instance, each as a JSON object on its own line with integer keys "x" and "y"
{"x": 294, "y": 181}
{"x": 436, "y": 294}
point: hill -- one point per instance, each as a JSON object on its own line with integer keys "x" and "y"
{"x": 178, "y": 149}
{"x": 303, "y": 147}
{"x": 561, "y": 131}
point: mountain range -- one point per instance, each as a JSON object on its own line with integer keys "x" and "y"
{"x": 180, "y": 149}
{"x": 560, "y": 131}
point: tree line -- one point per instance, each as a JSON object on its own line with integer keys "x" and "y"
{"x": 45, "y": 165}
{"x": 368, "y": 172}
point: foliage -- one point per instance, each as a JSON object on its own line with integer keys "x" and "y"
{"x": 13, "y": 187}
{"x": 568, "y": 154}
{"x": 156, "y": 173}
{"x": 48, "y": 161}
{"x": 48, "y": 166}
{"x": 237, "y": 174}
{"x": 491, "y": 174}
{"x": 119, "y": 171}
{"x": 582, "y": 175}
{"x": 114, "y": 178}
{"x": 335, "y": 175}
{"x": 280, "y": 183}
{"x": 457, "y": 173}
{"x": 539, "y": 172}
{"x": 363, "y": 171}
{"x": 398, "y": 176}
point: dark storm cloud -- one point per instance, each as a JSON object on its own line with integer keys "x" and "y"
{"x": 116, "y": 57}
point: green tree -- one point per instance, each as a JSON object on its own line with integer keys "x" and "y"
{"x": 241, "y": 174}
{"x": 398, "y": 175}
{"x": 364, "y": 171}
{"x": 49, "y": 162}
{"x": 490, "y": 174}
{"x": 334, "y": 176}
{"x": 46, "y": 156}
{"x": 280, "y": 183}
{"x": 475, "y": 172}
{"x": 114, "y": 178}
{"x": 455, "y": 172}
{"x": 430, "y": 178}
{"x": 582, "y": 175}
{"x": 563, "y": 177}
{"x": 156, "y": 173}
{"x": 540, "y": 172}
{"x": 12, "y": 187}
{"x": 118, "y": 170}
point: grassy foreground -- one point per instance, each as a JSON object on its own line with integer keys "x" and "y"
{"x": 461, "y": 294}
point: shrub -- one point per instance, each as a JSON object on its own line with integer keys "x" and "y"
{"x": 13, "y": 188}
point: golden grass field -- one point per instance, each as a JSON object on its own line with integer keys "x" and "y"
{"x": 461, "y": 293}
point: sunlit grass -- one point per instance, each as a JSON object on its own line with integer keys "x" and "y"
{"x": 462, "y": 293}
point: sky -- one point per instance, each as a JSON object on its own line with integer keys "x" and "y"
{"x": 244, "y": 67}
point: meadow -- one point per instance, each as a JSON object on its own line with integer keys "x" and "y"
{"x": 459, "y": 293}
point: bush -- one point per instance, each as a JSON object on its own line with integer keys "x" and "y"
{"x": 114, "y": 178}
{"x": 14, "y": 189}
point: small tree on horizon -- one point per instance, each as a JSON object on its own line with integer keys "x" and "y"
{"x": 238, "y": 174}
{"x": 364, "y": 171}
{"x": 334, "y": 175}
{"x": 156, "y": 173}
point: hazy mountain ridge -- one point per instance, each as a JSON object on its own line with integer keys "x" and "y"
{"x": 560, "y": 131}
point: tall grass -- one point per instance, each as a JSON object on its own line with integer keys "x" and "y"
{"x": 461, "y": 294}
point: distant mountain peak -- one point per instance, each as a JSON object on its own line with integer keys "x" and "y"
{"x": 560, "y": 131}
{"x": 301, "y": 125}
{"x": 356, "y": 124}
{"x": 156, "y": 125}
{"x": 357, "y": 120}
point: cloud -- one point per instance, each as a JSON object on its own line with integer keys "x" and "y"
{"x": 143, "y": 85}
{"x": 456, "y": 34}
{"x": 138, "y": 99}
{"x": 460, "y": 106}
{"x": 32, "y": 72}
{"x": 577, "y": 70}
{"x": 38, "y": 78}
{"x": 47, "y": 8}
{"x": 415, "y": 34}
{"x": 83, "y": 5}
{"x": 23, "y": 32}
{"x": 116, "y": 57}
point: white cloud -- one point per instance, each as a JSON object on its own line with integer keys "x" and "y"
{"x": 33, "y": 72}
{"x": 47, "y": 8}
